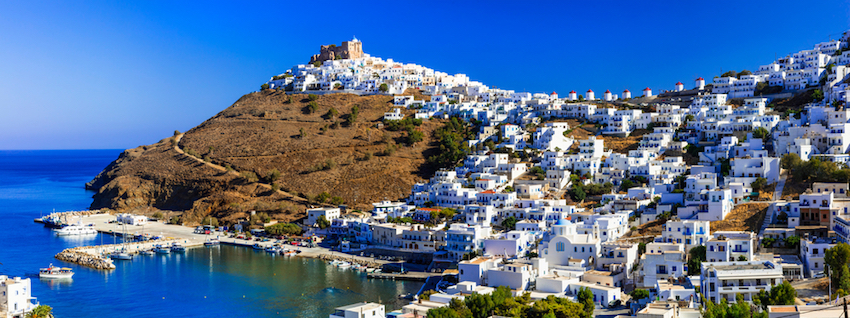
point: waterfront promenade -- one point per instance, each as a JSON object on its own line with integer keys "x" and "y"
{"x": 173, "y": 233}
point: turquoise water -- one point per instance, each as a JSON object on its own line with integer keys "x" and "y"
{"x": 225, "y": 281}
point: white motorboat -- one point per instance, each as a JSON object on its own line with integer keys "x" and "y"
{"x": 54, "y": 272}
{"x": 77, "y": 229}
{"x": 148, "y": 252}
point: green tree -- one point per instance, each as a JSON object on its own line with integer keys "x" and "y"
{"x": 758, "y": 184}
{"x": 742, "y": 258}
{"x": 744, "y": 72}
{"x": 844, "y": 281}
{"x": 480, "y": 305}
{"x": 817, "y": 95}
{"x": 578, "y": 193}
{"x": 313, "y": 107}
{"x": 585, "y": 297}
{"x": 761, "y": 133}
{"x": 442, "y": 312}
{"x": 695, "y": 258}
{"x": 323, "y": 222}
{"x": 41, "y": 311}
{"x": 312, "y": 97}
{"x": 383, "y": 88}
{"x": 730, "y": 74}
{"x": 792, "y": 242}
{"x": 640, "y": 293}
{"x": 157, "y": 215}
{"x": 837, "y": 257}
{"x": 782, "y": 294}
{"x": 283, "y": 229}
{"x": 509, "y": 223}
{"x": 264, "y": 87}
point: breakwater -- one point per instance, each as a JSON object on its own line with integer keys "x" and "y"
{"x": 350, "y": 259}
{"x": 73, "y": 255}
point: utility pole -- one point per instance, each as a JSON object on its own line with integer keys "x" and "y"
{"x": 845, "y": 307}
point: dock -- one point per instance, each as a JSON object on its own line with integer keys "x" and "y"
{"x": 412, "y": 276}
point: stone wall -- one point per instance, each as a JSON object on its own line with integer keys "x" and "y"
{"x": 347, "y": 50}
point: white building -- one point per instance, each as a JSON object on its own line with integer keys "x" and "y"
{"x": 360, "y": 310}
{"x": 15, "y": 296}
{"x": 724, "y": 280}
{"x": 314, "y": 214}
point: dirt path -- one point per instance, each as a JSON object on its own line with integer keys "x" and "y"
{"x": 234, "y": 172}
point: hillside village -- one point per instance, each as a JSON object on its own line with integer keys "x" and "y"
{"x": 536, "y": 208}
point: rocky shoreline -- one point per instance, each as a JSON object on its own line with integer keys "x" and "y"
{"x": 74, "y": 255}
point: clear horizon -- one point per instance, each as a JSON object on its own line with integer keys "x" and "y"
{"x": 104, "y": 75}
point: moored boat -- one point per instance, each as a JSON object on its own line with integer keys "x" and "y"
{"x": 257, "y": 246}
{"x": 159, "y": 249}
{"x": 177, "y": 248}
{"x": 120, "y": 255}
{"x": 77, "y": 229}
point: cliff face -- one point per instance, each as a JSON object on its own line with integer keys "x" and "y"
{"x": 313, "y": 151}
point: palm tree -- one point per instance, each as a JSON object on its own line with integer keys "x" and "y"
{"x": 41, "y": 311}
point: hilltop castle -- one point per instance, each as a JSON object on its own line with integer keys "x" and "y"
{"x": 347, "y": 50}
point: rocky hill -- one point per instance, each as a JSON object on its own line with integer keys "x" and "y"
{"x": 274, "y": 153}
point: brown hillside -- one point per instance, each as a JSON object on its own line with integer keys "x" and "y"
{"x": 261, "y": 132}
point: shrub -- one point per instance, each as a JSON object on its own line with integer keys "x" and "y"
{"x": 175, "y": 220}
{"x": 322, "y": 222}
{"x": 283, "y": 229}
{"x": 209, "y": 220}
{"x": 337, "y": 200}
{"x": 383, "y": 88}
{"x": 273, "y": 175}
{"x": 414, "y": 136}
{"x": 313, "y": 107}
{"x": 332, "y": 113}
{"x": 312, "y": 97}
{"x": 250, "y": 176}
{"x": 367, "y": 156}
{"x": 264, "y": 87}
{"x": 322, "y": 197}
{"x": 758, "y": 184}
{"x": 157, "y": 215}
{"x": 177, "y": 132}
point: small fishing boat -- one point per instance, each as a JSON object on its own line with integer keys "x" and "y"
{"x": 257, "y": 246}
{"x": 159, "y": 249}
{"x": 148, "y": 252}
{"x": 212, "y": 242}
{"x": 177, "y": 248}
{"x": 53, "y": 272}
{"x": 344, "y": 265}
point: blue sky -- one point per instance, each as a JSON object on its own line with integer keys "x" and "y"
{"x": 87, "y": 75}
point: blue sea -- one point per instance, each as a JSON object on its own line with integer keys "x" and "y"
{"x": 225, "y": 281}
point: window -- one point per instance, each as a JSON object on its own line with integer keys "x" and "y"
{"x": 559, "y": 246}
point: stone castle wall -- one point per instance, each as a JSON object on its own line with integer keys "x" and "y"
{"x": 347, "y": 50}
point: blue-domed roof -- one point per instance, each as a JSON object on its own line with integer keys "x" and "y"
{"x": 562, "y": 222}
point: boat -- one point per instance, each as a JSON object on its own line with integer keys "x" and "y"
{"x": 344, "y": 265}
{"x": 212, "y": 242}
{"x": 53, "y": 272}
{"x": 177, "y": 248}
{"x": 159, "y": 249}
{"x": 120, "y": 255}
{"x": 77, "y": 229}
{"x": 257, "y": 246}
{"x": 148, "y": 252}
{"x": 272, "y": 249}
